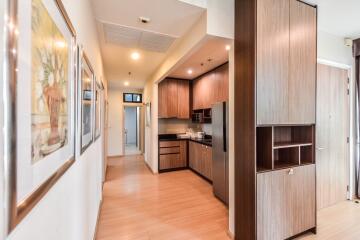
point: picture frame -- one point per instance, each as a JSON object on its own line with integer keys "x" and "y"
{"x": 98, "y": 109}
{"x": 86, "y": 93}
{"x": 148, "y": 114}
{"x": 39, "y": 102}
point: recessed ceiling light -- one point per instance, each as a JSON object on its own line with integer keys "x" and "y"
{"x": 126, "y": 83}
{"x": 227, "y": 47}
{"x": 190, "y": 71}
{"x": 135, "y": 55}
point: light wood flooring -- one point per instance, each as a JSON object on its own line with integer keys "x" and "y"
{"x": 138, "y": 205}
{"x": 179, "y": 205}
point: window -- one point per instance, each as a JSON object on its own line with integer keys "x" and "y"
{"x": 132, "y": 97}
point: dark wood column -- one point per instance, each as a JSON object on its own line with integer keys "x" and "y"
{"x": 245, "y": 119}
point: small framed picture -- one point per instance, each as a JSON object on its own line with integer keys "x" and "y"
{"x": 86, "y": 101}
{"x": 98, "y": 100}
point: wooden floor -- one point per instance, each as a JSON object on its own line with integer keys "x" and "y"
{"x": 176, "y": 205}
{"x": 339, "y": 222}
{"x": 179, "y": 205}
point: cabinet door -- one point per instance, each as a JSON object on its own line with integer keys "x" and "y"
{"x": 192, "y": 155}
{"x": 222, "y": 84}
{"x": 183, "y": 101}
{"x": 162, "y": 106}
{"x": 271, "y": 214}
{"x": 302, "y": 76}
{"x": 183, "y": 153}
{"x": 272, "y": 61}
{"x": 207, "y": 167}
{"x": 172, "y": 98}
{"x": 196, "y": 95}
{"x": 285, "y": 202}
{"x": 301, "y": 202}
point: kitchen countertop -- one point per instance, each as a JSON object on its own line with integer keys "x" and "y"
{"x": 173, "y": 137}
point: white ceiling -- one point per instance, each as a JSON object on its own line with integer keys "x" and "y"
{"x": 168, "y": 18}
{"x": 209, "y": 55}
{"x": 339, "y": 17}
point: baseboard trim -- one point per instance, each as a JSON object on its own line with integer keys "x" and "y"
{"x": 97, "y": 220}
{"x": 232, "y": 237}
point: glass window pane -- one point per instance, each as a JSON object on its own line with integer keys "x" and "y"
{"x": 136, "y": 98}
{"x": 128, "y": 97}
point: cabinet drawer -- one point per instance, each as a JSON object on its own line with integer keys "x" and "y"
{"x": 169, "y": 144}
{"x": 171, "y": 161}
{"x": 169, "y": 150}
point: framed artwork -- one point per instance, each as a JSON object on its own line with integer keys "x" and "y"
{"x": 40, "y": 100}
{"x": 148, "y": 114}
{"x": 86, "y": 101}
{"x": 98, "y": 100}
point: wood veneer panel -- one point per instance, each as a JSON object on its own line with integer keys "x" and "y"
{"x": 162, "y": 105}
{"x": 272, "y": 61}
{"x": 302, "y": 74}
{"x": 172, "y": 98}
{"x": 183, "y": 99}
{"x": 264, "y": 148}
{"x": 332, "y": 129}
{"x": 245, "y": 127}
{"x": 169, "y": 144}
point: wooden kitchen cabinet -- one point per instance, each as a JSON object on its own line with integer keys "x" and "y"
{"x": 174, "y": 99}
{"x": 211, "y": 88}
{"x": 285, "y": 202}
{"x": 183, "y": 101}
{"x": 286, "y": 62}
{"x": 200, "y": 159}
{"x": 172, "y": 155}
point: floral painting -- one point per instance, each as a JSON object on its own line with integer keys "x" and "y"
{"x": 49, "y": 82}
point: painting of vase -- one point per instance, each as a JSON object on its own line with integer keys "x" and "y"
{"x": 49, "y": 82}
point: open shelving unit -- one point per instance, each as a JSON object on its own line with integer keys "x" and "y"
{"x": 201, "y": 116}
{"x": 279, "y": 147}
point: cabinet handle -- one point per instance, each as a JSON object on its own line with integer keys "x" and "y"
{"x": 291, "y": 171}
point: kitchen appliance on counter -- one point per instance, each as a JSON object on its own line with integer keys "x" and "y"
{"x": 220, "y": 156}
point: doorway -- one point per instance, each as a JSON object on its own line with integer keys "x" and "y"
{"x": 332, "y": 135}
{"x": 132, "y": 130}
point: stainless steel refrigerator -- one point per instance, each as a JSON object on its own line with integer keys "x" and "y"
{"x": 220, "y": 162}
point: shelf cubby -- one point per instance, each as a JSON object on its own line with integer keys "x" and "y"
{"x": 286, "y": 157}
{"x": 307, "y": 155}
{"x": 264, "y": 151}
{"x": 279, "y": 147}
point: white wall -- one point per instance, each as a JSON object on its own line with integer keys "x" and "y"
{"x": 116, "y": 121}
{"x": 332, "y": 48}
{"x": 69, "y": 210}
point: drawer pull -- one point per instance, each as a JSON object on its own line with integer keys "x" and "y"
{"x": 291, "y": 171}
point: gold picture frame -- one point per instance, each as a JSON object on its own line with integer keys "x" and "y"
{"x": 17, "y": 208}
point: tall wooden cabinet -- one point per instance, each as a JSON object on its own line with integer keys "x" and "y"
{"x": 174, "y": 98}
{"x": 275, "y": 87}
{"x": 286, "y": 62}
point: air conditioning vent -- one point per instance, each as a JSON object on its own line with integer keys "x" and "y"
{"x": 135, "y": 38}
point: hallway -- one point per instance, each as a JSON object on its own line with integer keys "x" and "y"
{"x": 175, "y": 205}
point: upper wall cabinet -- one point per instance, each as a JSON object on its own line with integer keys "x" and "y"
{"x": 174, "y": 99}
{"x": 286, "y": 62}
{"x": 211, "y": 88}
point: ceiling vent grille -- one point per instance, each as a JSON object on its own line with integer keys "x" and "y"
{"x": 135, "y": 38}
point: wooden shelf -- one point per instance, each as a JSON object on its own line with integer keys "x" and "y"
{"x": 291, "y": 144}
{"x": 279, "y": 147}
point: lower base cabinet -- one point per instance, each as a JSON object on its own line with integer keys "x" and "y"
{"x": 172, "y": 155}
{"x": 286, "y": 204}
{"x": 200, "y": 159}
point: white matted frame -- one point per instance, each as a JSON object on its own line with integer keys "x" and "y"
{"x": 98, "y": 109}
{"x": 27, "y": 181}
{"x": 86, "y": 85}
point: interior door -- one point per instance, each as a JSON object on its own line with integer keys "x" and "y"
{"x": 332, "y": 128}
